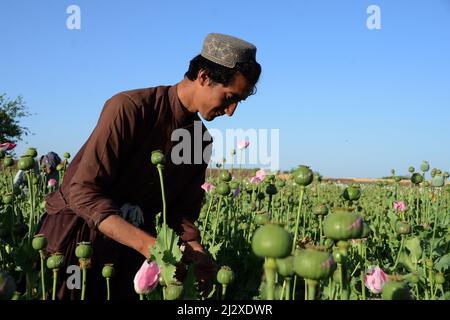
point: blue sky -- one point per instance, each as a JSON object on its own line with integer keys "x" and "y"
{"x": 348, "y": 101}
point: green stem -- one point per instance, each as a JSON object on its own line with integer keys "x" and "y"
{"x": 320, "y": 230}
{"x": 30, "y": 198}
{"x": 224, "y": 291}
{"x": 161, "y": 180}
{"x": 297, "y": 221}
{"x": 287, "y": 280}
{"x": 399, "y": 252}
{"x": 311, "y": 288}
{"x": 270, "y": 271}
{"x": 29, "y": 285}
{"x": 240, "y": 162}
{"x": 55, "y": 275}
{"x": 205, "y": 222}
{"x": 108, "y": 290}
{"x": 41, "y": 254}
{"x": 217, "y": 221}
{"x": 294, "y": 287}
{"x": 83, "y": 283}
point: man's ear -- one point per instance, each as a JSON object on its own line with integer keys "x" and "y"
{"x": 202, "y": 78}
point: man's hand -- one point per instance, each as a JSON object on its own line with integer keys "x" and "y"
{"x": 204, "y": 267}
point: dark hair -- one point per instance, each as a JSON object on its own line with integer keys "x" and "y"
{"x": 220, "y": 74}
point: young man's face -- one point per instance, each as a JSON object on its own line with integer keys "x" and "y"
{"x": 216, "y": 100}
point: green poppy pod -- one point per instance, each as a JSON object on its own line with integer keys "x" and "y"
{"x": 108, "y": 270}
{"x": 321, "y": 210}
{"x": 338, "y": 256}
{"x": 84, "y": 250}
{"x": 402, "y": 227}
{"x": 272, "y": 241}
{"x": 343, "y": 224}
{"x": 8, "y": 161}
{"x": 7, "y": 286}
{"x": 397, "y": 179}
{"x": 329, "y": 243}
{"x": 25, "y": 163}
{"x": 243, "y": 226}
{"x": 395, "y": 290}
{"x": 66, "y": 155}
{"x": 39, "y": 242}
{"x": 55, "y": 261}
{"x": 416, "y": 178}
{"x": 271, "y": 189}
{"x": 223, "y": 189}
{"x": 157, "y": 157}
{"x": 234, "y": 185}
{"x": 174, "y": 291}
{"x": 438, "y": 181}
{"x": 337, "y": 276}
{"x": 439, "y": 278}
{"x": 285, "y": 266}
{"x": 446, "y": 175}
{"x": 413, "y": 278}
{"x": 225, "y": 176}
{"x": 225, "y": 275}
{"x": 303, "y": 176}
{"x": 425, "y": 166}
{"x": 314, "y": 264}
{"x": 352, "y": 193}
{"x": 32, "y": 152}
{"x": 280, "y": 184}
{"x": 411, "y": 169}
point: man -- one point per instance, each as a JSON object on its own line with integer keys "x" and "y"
{"x": 112, "y": 179}
{"x": 49, "y": 162}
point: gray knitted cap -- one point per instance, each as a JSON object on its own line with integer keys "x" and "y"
{"x": 227, "y": 50}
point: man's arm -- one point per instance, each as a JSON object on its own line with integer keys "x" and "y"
{"x": 127, "y": 234}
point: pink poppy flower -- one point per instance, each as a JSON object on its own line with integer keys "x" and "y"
{"x": 259, "y": 177}
{"x": 243, "y": 144}
{"x": 255, "y": 180}
{"x": 207, "y": 186}
{"x": 400, "y": 206}
{"x": 375, "y": 280}
{"x": 6, "y": 146}
{"x": 146, "y": 278}
{"x": 51, "y": 183}
{"x": 260, "y": 174}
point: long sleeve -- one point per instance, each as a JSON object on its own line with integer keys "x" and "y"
{"x": 105, "y": 151}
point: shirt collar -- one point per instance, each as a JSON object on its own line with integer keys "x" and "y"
{"x": 181, "y": 115}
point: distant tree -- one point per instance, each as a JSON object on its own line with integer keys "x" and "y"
{"x": 11, "y": 111}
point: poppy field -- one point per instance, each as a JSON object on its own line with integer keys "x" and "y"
{"x": 273, "y": 236}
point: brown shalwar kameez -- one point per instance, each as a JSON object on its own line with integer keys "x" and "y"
{"x": 113, "y": 168}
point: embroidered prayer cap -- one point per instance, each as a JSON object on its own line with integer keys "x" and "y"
{"x": 227, "y": 50}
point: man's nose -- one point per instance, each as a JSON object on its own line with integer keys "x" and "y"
{"x": 231, "y": 108}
